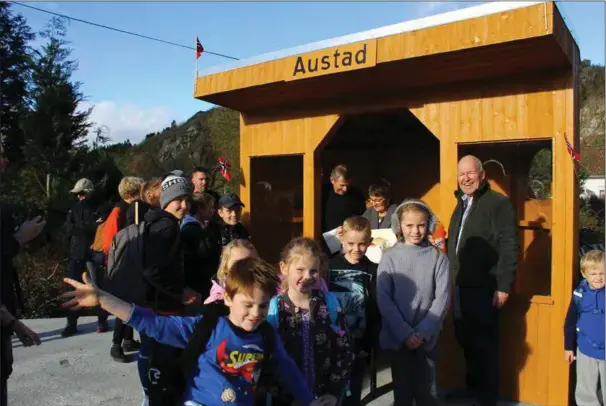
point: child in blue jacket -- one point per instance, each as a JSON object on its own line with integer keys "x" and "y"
{"x": 585, "y": 325}
{"x": 229, "y": 369}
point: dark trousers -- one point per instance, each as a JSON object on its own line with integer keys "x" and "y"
{"x": 356, "y": 381}
{"x": 98, "y": 258}
{"x": 477, "y": 331}
{"x": 413, "y": 373}
{"x": 6, "y": 365}
{"x": 75, "y": 268}
{"x": 122, "y": 332}
{"x": 157, "y": 365}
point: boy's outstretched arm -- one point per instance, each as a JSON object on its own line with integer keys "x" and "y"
{"x": 170, "y": 330}
{"x": 87, "y": 294}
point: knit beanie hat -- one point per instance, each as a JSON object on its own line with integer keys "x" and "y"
{"x": 174, "y": 187}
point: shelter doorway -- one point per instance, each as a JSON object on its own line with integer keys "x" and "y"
{"x": 276, "y": 200}
{"x": 391, "y": 147}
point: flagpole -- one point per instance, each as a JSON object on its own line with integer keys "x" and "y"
{"x": 196, "y": 51}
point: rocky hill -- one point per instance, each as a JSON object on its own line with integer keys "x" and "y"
{"x": 197, "y": 142}
{"x": 206, "y": 135}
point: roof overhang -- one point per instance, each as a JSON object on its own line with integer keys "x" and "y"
{"x": 493, "y": 39}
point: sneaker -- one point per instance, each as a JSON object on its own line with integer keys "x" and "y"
{"x": 117, "y": 354}
{"x": 69, "y": 331}
{"x": 102, "y": 327}
{"x": 131, "y": 345}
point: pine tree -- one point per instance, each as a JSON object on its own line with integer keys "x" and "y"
{"x": 55, "y": 129}
{"x": 15, "y": 65}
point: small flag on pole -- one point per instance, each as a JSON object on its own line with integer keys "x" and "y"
{"x": 199, "y": 48}
{"x": 224, "y": 166}
{"x": 573, "y": 154}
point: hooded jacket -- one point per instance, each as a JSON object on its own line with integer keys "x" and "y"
{"x": 201, "y": 254}
{"x": 81, "y": 225}
{"x": 163, "y": 263}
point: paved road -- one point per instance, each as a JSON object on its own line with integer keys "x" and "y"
{"x": 78, "y": 371}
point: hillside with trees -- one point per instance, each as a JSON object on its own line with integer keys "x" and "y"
{"x": 45, "y": 135}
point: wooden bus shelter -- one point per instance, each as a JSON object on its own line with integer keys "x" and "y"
{"x": 403, "y": 103}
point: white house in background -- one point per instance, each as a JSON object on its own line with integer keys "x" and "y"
{"x": 594, "y": 186}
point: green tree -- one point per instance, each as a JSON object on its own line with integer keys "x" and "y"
{"x": 15, "y": 35}
{"x": 55, "y": 130}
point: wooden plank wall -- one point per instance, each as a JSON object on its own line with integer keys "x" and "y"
{"x": 532, "y": 109}
{"x": 284, "y": 137}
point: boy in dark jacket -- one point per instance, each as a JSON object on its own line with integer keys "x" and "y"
{"x": 228, "y": 224}
{"x": 165, "y": 285}
{"x": 352, "y": 278}
{"x": 201, "y": 251}
{"x": 81, "y": 224}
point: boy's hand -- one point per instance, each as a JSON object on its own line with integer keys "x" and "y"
{"x": 84, "y": 295}
{"x": 569, "y": 356}
{"x": 413, "y": 341}
{"x": 27, "y": 336}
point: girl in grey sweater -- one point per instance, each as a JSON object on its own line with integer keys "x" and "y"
{"x": 413, "y": 285}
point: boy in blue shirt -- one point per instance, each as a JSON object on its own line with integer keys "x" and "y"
{"x": 585, "y": 323}
{"x": 229, "y": 369}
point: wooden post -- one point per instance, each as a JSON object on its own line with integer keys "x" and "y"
{"x": 48, "y": 181}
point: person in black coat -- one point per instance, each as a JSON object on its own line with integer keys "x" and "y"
{"x": 201, "y": 249}
{"x": 81, "y": 225}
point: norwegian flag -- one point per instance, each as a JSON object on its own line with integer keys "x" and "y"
{"x": 573, "y": 154}
{"x": 199, "y": 48}
{"x": 224, "y": 166}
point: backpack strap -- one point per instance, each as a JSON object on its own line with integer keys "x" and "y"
{"x": 197, "y": 343}
{"x": 334, "y": 308}
{"x": 269, "y": 342}
{"x": 273, "y": 313}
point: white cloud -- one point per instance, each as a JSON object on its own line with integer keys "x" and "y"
{"x": 127, "y": 121}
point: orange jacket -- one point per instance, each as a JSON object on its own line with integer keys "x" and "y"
{"x": 110, "y": 229}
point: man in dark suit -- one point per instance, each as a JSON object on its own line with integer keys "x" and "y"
{"x": 483, "y": 252}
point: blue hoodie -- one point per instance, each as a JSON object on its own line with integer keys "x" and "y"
{"x": 232, "y": 359}
{"x": 188, "y": 218}
{"x": 586, "y": 316}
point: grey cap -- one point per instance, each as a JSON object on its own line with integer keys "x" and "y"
{"x": 83, "y": 186}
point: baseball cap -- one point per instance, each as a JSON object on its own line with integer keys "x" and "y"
{"x": 230, "y": 201}
{"x": 83, "y": 186}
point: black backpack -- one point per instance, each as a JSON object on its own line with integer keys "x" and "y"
{"x": 197, "y": 346}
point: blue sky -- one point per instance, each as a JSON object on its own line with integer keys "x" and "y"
{"x": 138, "y": 86}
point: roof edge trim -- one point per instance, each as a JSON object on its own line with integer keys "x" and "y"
{"x": 406, "y": 26}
